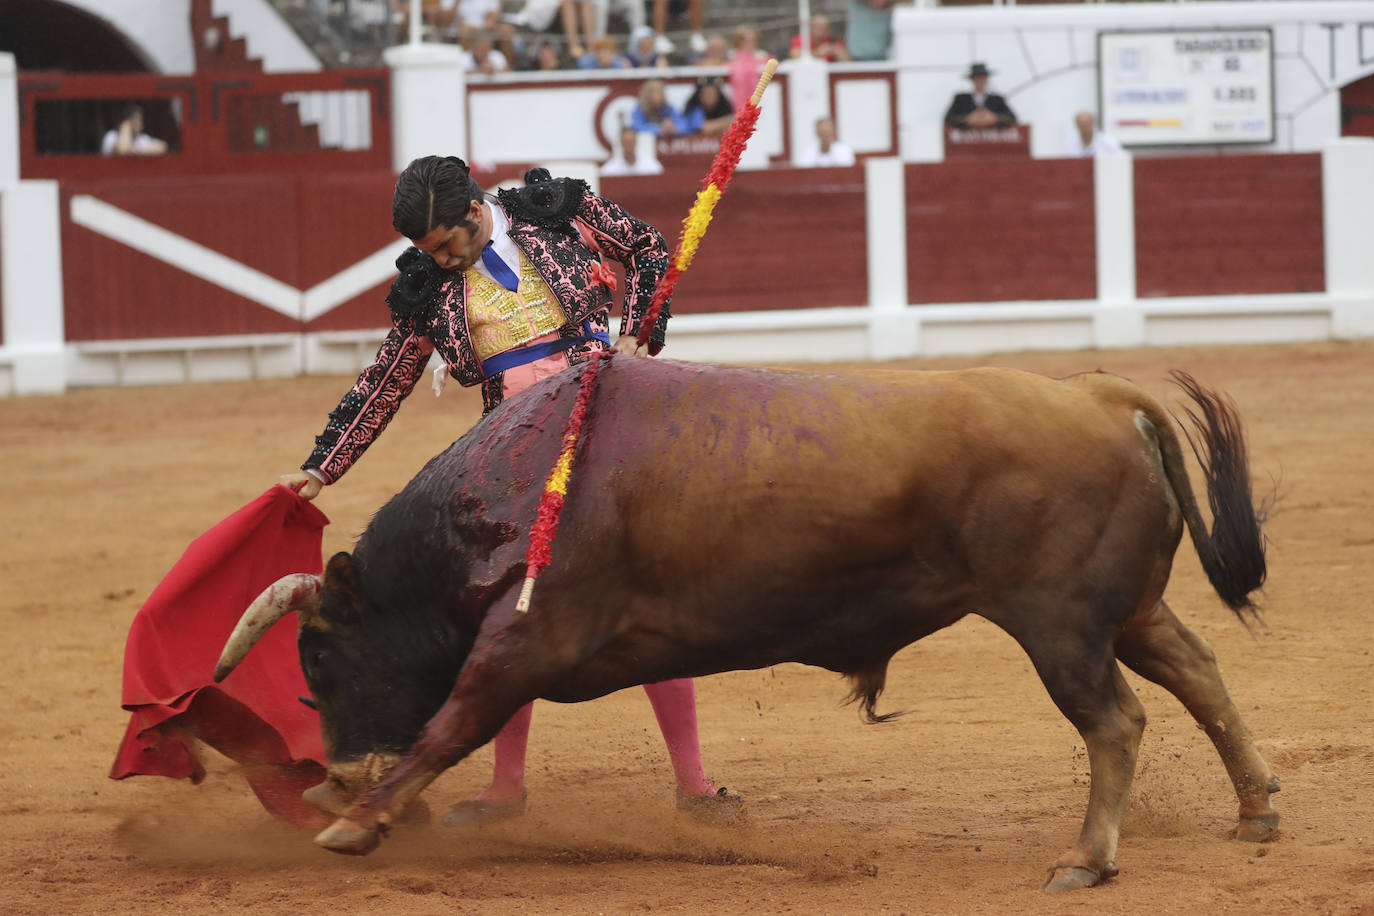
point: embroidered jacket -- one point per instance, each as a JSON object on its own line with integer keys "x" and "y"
{"x": 563, "y": 229}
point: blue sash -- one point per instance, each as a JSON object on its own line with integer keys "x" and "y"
{"x": 521, "y": 355}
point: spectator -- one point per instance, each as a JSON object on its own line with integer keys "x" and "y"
{"x": 641, "y": 52}
{"x": 653, "y": 114}
{"x": 827, "y": 150}
{"x": 628, "y": 161}
{"x": 482, "y": 56}
{"x": 979, "y": 108}
{"x": 869, "y": 29}
{"x": 1087, "y": 140}
{"x": 632, "y": 11}
{"x": 717, "y": 53}
{"x": 603, "y": 56}
{"x": 695, "y": 12}
{"x": 538, "y": 15}
{"x": 546, "y": 57}
{"x": 708, "y": 112}
{"x": 475, "y": 16}
{"x": 745, "y": 65}
{"x": 128, "y": 138}
{"x": 823, "y": 44}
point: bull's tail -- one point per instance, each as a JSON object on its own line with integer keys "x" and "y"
{"x": 1232, "y": 553}
{"x": 867, "y": 685}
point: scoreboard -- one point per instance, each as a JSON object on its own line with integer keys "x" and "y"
{"x": 1187, "y": 87}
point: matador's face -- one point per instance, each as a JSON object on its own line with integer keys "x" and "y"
{"x": 455, "y": 247}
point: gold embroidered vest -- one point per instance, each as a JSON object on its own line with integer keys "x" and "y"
{"x": 501, "y": 320}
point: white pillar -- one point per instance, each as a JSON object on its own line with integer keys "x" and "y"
{"x": 428, "y": 102}
{"x": 9, "y": 121}
{"x": 1118, "y": 321}
{"x": 31, "y": 252}
{"x": 893, "y": 328}
{"x": 808, "y": 100}
{"x": 1348, "y": 227}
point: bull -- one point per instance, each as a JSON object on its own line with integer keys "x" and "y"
{"x": 731, "y": 518}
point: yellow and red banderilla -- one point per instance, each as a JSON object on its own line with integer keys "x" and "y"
{"x": 732, "y": 143}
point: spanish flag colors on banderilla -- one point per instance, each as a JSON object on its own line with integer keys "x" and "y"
{"x": 732, "y": 145}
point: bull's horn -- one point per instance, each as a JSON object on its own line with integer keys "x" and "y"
{"x": 296, "y": 592}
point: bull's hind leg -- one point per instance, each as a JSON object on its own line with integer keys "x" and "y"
{"x": 1156, "y": 645}
{"x": 1087, "y": 685}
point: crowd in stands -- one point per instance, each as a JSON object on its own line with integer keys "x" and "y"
{"x": 552, "y": 35}
{"x": 546, "y": 35}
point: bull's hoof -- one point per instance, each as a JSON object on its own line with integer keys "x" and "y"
{"x": 1260, "y": 829}
{"x": 1071, "y": 878}
{"x": 1274, "y": 785}
{"x": 328, "y": 798}
{"x": 348, "y": 837}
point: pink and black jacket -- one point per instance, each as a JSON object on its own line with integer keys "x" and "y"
{"x": 563, "y": 229}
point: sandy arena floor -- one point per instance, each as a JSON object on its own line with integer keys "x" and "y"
{"x": 957, "y": 808}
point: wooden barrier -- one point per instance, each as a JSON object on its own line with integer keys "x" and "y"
{"x": 1210, "y": 225}
{"x": 188, "y": 257}
{"x": 215, "y": 124}
{"x": 785, "y": 239}
{"x": 1008, "y": 231}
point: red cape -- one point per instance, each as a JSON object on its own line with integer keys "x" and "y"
{"x": 254, "y": 717}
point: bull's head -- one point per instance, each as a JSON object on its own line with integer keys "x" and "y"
{"x": 378, "y": 668}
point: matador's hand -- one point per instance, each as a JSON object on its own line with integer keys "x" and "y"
{"x": 306, "y": 486}
{"x": 626, "y": 344}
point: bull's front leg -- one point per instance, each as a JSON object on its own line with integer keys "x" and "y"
{"x": 491, "y": 687}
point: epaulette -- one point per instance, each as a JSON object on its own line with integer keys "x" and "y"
{"x": 416, "y": 286}
{"x": 544, "y": 201}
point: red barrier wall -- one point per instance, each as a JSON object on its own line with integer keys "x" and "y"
{"x": 299, "y": 230}
{"x": 1229, "y": 224}
{"x": 997, "y": 231}
{"x": 780, "y": 239}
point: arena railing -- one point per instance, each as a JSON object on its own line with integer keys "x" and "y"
{"x": 332, "y": 120}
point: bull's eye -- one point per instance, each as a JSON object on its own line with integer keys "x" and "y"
{"x": 317, "y": 657}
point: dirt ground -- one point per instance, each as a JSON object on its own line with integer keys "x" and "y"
{"x": 959, "y": 807}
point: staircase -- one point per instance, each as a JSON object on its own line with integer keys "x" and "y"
{"x": 257, "y": 122}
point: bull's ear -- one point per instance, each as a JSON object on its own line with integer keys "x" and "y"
{"x": 343, "y": 594}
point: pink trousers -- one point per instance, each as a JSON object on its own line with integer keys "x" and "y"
{"x": 674, "y": 702}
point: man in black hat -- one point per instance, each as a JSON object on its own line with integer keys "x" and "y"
{"x": 979, "y": 108}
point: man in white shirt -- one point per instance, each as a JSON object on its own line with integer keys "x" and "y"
{"x": 128, "y": 139}
{"x": 828, "y": 150}
{"x": 628, "y": 161}
{"x": 1087, "y": 140}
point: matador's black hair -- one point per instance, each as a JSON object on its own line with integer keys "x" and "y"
{"x": 433, "y": 191}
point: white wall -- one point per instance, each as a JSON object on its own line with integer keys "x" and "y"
{"x": 561, "y": 122}
{"x": 1045, "y": 60}
{"x": 160, "y": 29}
{"x": 269, "y": 37}
{"x": 32, "y": 359}
{"x": 9, "y": 121}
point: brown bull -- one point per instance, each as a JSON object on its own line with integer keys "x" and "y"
{"x": 723, "y": 519}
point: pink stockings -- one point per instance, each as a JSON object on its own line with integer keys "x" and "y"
{"x": 675, "y": 707}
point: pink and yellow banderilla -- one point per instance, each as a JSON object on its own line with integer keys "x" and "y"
{"x": 732, "y": 144}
